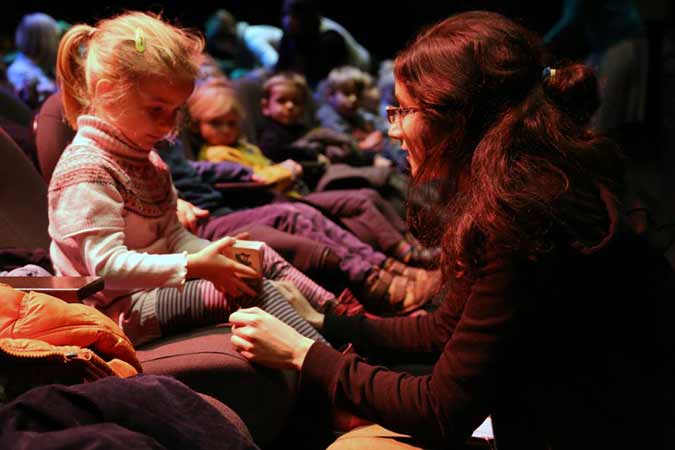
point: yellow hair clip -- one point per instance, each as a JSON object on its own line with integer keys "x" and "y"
{"x": 139, "y": 40}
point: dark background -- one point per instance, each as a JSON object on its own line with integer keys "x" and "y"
{"x": 381, "y": 26}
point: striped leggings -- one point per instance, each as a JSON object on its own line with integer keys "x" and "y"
{"x": 151, "y": 314}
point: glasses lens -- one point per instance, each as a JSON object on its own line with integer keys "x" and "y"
{"x": 392, "y": 112}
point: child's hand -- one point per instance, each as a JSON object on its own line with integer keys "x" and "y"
{"x": 210, "y": 264}
{"x": 189, "y": 215}
{"x": 323, "y": 159}
{"x": 293, "y": 167}
{"x": 258, "y": 178}
{"x": 373, "y": 141}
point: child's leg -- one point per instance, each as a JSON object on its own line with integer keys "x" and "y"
{"x": 149, "y": 315}
{"x": 277, "y": 268}
{"x": 356, "y": 257}
{"x": 358, "y": 211}
{"x": 304, "y": 254}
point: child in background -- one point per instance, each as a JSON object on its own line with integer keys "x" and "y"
{"x": 343, "y": 111}
{"x": 285, "y": 135}
{"x": 215, "y": 116}
{"x": 32, "y": 71}
{"x": 112, "y": 207}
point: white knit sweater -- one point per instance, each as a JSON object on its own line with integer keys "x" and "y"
{"x": 112, "y": 213}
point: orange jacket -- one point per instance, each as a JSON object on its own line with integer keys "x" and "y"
{"x": 34, "y": 324}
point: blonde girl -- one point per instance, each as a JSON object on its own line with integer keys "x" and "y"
{"x": 112, "y": 206}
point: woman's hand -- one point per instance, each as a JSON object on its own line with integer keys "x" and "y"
{"x": 189, "y": 214}
{"x": 264, "y": 339}
{"x": 211, "y": 264}
{"x": 300, "y": 303}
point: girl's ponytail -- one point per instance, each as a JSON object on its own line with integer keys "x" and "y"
{"x": 71, "y": 73}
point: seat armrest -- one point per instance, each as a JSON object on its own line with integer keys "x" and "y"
{"x": 69, "y": 289}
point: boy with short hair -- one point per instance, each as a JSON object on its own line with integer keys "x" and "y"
{"x": 343, "y": 112}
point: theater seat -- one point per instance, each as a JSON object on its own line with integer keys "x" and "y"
{"x": 204, "y": 359}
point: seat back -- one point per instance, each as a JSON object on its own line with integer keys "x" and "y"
{"x": 14, "y": 109}
{"x": 52, "y": 134}
{"x": 23, "y": 199}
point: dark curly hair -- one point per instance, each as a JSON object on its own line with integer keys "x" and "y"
{"x": 519, "y": 169}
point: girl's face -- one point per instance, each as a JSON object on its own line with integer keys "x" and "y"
{"x": 406, "y": 127}
{"x": 149, "y": 114}
{"x": 221, "y": 130}
{"x": 286, "y": 104}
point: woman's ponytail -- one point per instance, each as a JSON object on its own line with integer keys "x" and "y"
{"x": 574, "y": 90}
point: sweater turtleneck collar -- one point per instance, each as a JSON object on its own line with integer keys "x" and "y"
{"x": 106, "y": 137}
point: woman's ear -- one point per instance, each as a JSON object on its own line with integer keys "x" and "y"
{"x": 264, "y": 103}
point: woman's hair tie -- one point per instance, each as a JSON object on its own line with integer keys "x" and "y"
{"x": 547, "y": 72}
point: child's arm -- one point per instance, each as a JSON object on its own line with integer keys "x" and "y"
{"x": 221, "y": 172}
{"x": 263, "y": 41}
{"x": 87, "y": 225}
{"x": 106, "y": 255}
{"x": 278, "y": 148}
{"x": 189, "y": 215}
{"x": 180, "y": 240}
{"x": 101, "y": 248}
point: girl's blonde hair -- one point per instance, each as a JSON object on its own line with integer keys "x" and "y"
{"x": 124, "y": 50}
{"x": 213, "y": 98}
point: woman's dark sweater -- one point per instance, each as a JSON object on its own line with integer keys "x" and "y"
{"x": 568, "y": 351}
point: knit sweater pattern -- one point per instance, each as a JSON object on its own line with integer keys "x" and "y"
{"x": 112, "y": 213}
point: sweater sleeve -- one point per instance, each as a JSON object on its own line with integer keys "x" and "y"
{"x": 442, "y": 408}
{"x": 106, "y": 255}
{"x": 181, "y": 240}
{"x": 427, "y": 333}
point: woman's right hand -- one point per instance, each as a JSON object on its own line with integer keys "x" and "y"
{"x": 211, "y": 264}
{"x": 264, "y": 339}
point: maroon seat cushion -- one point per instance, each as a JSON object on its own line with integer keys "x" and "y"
{"x": 23, "y": 199}
{"x": 228, "y": 414}
{"x": 52, "y": 134}
{"x": 207, "y": 361}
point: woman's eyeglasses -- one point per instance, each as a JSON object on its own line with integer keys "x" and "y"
{"x": 398, "y": 112}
